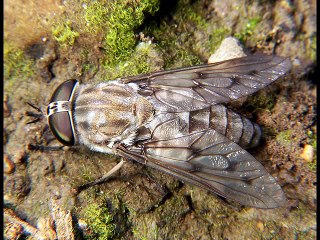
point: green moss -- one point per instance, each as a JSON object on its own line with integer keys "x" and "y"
{"x": 17, "y": 66}
{"x": 100, "y": 221}
{"x": 307, "y": 217}
{"x": 189, "y": 27}
{"x": 171, "y": 34}
{"x": 123, "y": 20}
{"x": 86, "y": 174}
{"x": 312, "y": 139}
{"x": 145, "y": 227}
{"x": 143, "y": 60}
{"x": 313, "y": 165}
{"x": 187, "y": 12}
{"x": 285, "y": 137}
{"x": 248, "y": 29}
{"x": 312, "y": 50}
{"x": 310, "y": 44}
{"x": 64, "y": 33}
{"x": 89, "y": 67}
{"x": 96, "y": 16}
{"x": 137, "y": 234}
{"x": 262, "y": 100}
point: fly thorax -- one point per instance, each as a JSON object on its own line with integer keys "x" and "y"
{"x": 109, "y": 113}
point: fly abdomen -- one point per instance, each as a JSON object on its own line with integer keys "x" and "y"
{"x": 234, "y": 126}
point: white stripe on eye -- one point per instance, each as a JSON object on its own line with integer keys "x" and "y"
{"x": 58, "y": 106}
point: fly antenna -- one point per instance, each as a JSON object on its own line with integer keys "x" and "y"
{"x": 38, "y": 116}
{"x": 35, "y": 107}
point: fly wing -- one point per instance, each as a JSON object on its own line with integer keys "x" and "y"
{"x": 211, "y": 161}
{"x": 191, "y": 88}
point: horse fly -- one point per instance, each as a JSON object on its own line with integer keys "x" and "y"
{"x": 175, "y": 121}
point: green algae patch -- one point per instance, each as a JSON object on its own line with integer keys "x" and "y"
{"x": 191, "y": 27}
{"x": 64, "y": 34}
{"x": 146, "y": 231}
{"x": 100, "y": 221}
{"x": 262, "y": 101}
{"x": 188, "y": 11}
{"x": 312, "y": 49}
{"x": 120, "y": 37}
{"x": 248, "y": 29}
{"x": 107, "y": 30}
{"x": 95, "y": 15}
{"x": 168, "y": 216}
{"x": 285, "y": 137}
{"x": 146, "y": 58}
{"x": 312, "y": 138}
{"x": 118, "y": 20}
{"x": 17, "y": 66}
{"x": 187, "y": 28}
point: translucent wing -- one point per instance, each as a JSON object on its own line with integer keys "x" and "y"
{"x": 211, "y": 161}
{"x": 197, "y": 87}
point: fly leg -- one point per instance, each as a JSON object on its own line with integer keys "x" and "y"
{"x": 103, "y": 179}
{"x": 33, "y": 147}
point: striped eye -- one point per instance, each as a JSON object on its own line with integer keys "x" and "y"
{"x": 59, "y": 113}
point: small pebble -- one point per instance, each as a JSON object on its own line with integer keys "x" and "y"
{"x": 5, "y": 137}
{"x": 229, "y": 48}
{"x": 6, "y": 109}
{"x": 260, "y": 226}
{"x": 82, "y": 224}
{"x": 296, "y": 62}
{"x": 307, "y": 153}
{"x": 19, "y": 157}
{"x": 8, "y": 165}
{"x": 7, "y": 197}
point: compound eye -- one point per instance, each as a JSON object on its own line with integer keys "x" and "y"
{"x": 61, "y": 127}
{"x": 59, "y": 113}
{"x": 64, "y": 91}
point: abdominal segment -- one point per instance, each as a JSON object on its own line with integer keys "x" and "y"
{"x": 235, "y": 127}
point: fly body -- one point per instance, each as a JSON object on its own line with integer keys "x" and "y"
{"x": 175, "y": 121}
{"x": 109, "y": 113}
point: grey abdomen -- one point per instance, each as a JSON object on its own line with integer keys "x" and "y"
{"x": 234, "y": 126}
{"x": 166, "y": 125}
